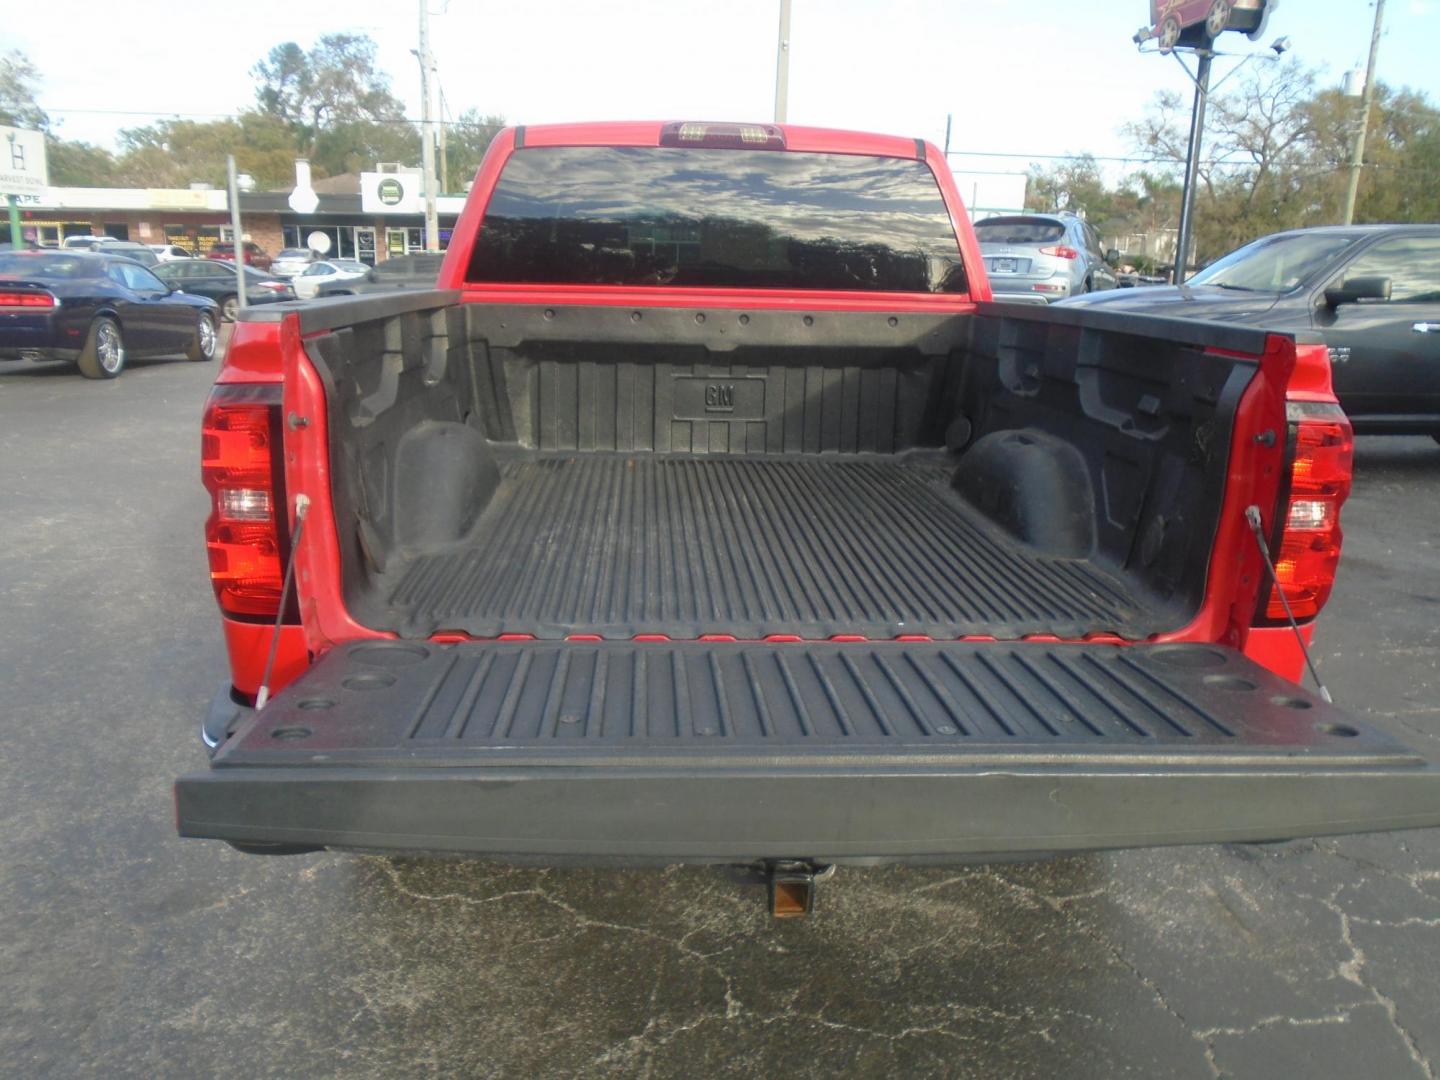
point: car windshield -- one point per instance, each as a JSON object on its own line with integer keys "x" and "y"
{"x": 1019, "y": 230}
{"x": 645, "y": 215}
{"x": 294, "y": 253}
{"x": 350, "y": 266}
{"x": 1275, "y": 264}
{"x": 47, "y": 267}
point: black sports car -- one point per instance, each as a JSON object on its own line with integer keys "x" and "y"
{"x": 97, "y": 311}
{"x": 215, "y": 278}
{"x": 1371, "y": 291}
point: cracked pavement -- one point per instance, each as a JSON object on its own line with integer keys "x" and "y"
{"x": 129, "y": 952}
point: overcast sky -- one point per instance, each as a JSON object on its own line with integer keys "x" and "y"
{"x": 1030, "y": 78}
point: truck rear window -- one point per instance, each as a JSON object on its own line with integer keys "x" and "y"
{"x": 749, "y": 219}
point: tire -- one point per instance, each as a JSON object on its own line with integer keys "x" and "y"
{"x": 1217, "y": 19}
{"x": 1169, "y": 33}
{"x": 104, "y": 354}
{"x": 203, "y": 345}
{"x": 229, "y": 308}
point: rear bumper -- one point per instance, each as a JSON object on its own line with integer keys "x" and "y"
{"x": 829, "y": 814}
{"x": 731, "y": 752}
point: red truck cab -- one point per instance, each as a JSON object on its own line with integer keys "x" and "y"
{"x": 709, "y": 510}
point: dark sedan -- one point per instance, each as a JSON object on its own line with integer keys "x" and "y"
{"x": 96, "y": 311}
{"x": 216, "y": 279}
{"x": 1371, "y": 291}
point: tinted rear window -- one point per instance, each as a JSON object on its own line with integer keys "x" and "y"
{"x": 47, "y": 267}
{"x": 1019, "y": 231}
{"x": 717, "y": 219}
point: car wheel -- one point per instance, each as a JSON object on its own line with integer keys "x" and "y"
{"x": 1169, "y": 33}
{"x": 104, "y": 354}
{"x": 203, "y": 347}
{"x": 1217, "y": 18}
{"x": 229, "y": 308}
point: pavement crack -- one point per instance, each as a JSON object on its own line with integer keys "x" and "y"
{"x": 1353, "y": 971}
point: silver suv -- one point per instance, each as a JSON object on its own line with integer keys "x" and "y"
{"x": 1040, "y": 258}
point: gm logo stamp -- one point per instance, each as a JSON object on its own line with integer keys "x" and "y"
{"x": 716, "y": 398}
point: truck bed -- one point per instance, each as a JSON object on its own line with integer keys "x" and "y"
{"x": 511, "y": 469}
{"x": 875, "y": 545}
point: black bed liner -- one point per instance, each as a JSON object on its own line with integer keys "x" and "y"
{"x": 832, "y": 751}
{"x": 877, "y": 546}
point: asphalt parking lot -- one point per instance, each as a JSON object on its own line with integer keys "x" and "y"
{"x": 130, "y": 952}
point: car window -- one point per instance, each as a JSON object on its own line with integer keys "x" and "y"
{"x": 318, "y": 269}
{"x": 1019, "y": 230}
{"x": 21, "y": 265}
{"x": 1277, "y": 263}
{"x": 136, "y": 277}
{"x": 1412, "y": 263}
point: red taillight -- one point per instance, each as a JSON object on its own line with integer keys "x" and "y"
{"x": 26, "y": 300}
{"x": 723, "y": 136}
{"x": 245, "y": 535}
{"x": 1060, "y": 251}
{"x": 1309, "y": 545}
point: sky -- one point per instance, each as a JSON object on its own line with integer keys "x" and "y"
{"x": 1040, "y": 77}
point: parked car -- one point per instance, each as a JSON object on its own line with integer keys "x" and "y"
{"x": 766, "y": 540}
{"x": 141, "y": 253}
{"x": 416, "y": 271}
{"x": 292, "y": 261}
{"x": 171, "y": 252}
{"x": 216, "y": 279}
{"x": 1371, "y": 291}
{"x": 255, "y": 255}
{"x": 328, "y": 272}
{"x": 98, "y": 311}
{"x": 1041, "y": 258}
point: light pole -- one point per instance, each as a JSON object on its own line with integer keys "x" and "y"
{"x": 782, "y": 65}
{"x": 427, "y": 133}
{"x": 1192, "y": 162}
{"x": 1357, "y": 158}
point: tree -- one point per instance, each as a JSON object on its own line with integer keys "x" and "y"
{"x": 173, "y": 153}
{"x": 1277, "y": 150}
{"x": 19, "y": 84}
{"x": 335, "y": 82}
{"x": 467, "y": 139}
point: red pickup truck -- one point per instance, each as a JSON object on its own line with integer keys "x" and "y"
{"x": 710, "y": 511}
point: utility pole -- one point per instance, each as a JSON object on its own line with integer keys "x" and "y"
{"x": 1192, "y": 163}
{"x": 444, "y": 156}
{"x": 1357, "y": 159}
{"x": 427, "y": 133}
{"x": 782, "y": 65}
{"x": 236, "y": 236}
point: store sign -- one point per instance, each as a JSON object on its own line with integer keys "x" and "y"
{"x": 391, "y": 193}
{"x": 22, "y": 162}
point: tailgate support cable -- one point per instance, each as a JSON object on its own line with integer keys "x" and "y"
{"x": 302, "y": 504}
{"x": 1252, "y": 515}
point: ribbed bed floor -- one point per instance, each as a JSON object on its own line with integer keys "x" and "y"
{"x": 874, "y": 546}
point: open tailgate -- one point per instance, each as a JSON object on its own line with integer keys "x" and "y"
{"x": 731, "y": 751}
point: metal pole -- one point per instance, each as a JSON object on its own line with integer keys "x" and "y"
{"x": 16, "y": 240}
{"x": 427, "y": 134}
{"x": 1357, "y": 159}
{"x": 948, "y": 118}
{"x": 236, "y": 236}
{"x": 782, "y": 65}
{"x": 1192, "y": 164}
{"x": 444, "y": 155}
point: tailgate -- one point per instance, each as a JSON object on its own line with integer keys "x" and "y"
{"x": 729, "y": 751}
